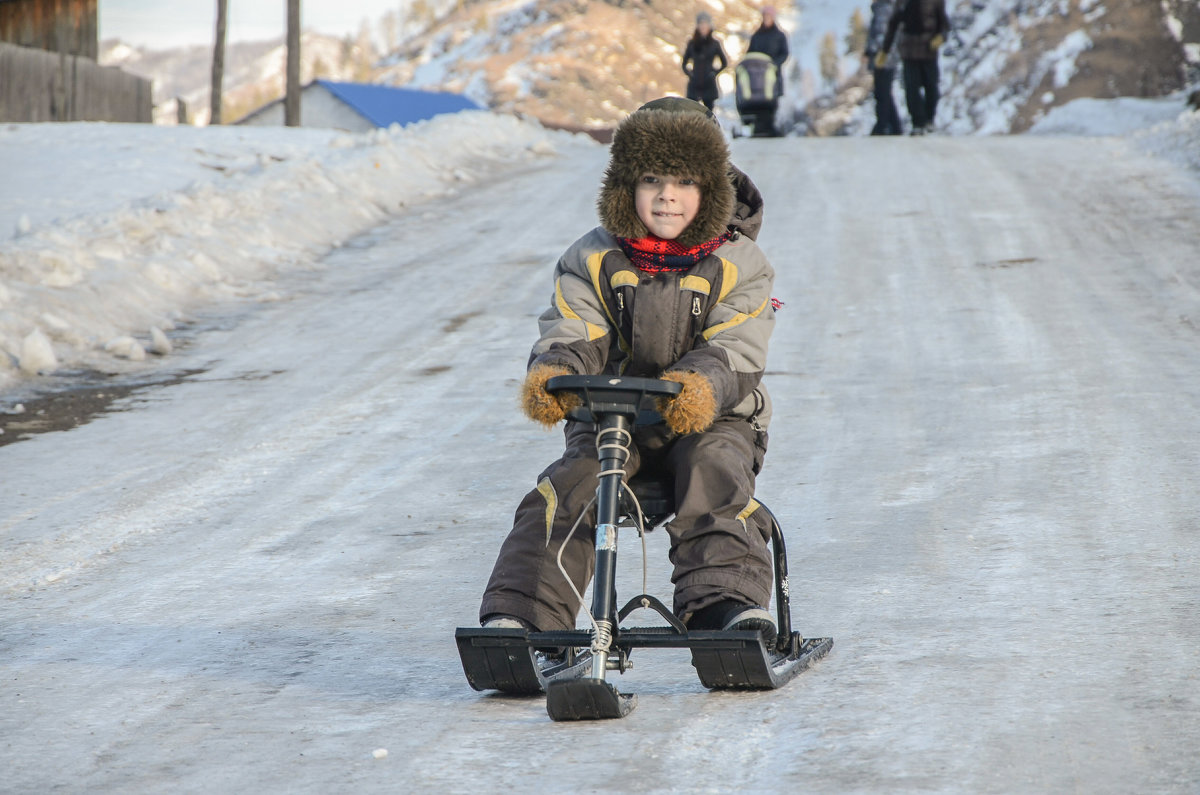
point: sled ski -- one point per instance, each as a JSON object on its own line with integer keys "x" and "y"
{"x": 499, "y": 659}
{"x": 726, "y": 663}
{"x": 570, "y": 666}
{"x": 505, "y": 660}
{"x": 587, "y": 699}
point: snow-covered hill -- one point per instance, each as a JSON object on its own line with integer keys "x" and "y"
{"x": 576, "y": 64}
{"x": 1008, "y": 62}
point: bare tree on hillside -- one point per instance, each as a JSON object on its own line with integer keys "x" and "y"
{"x": 390, "y": 23}
{"x": 831, "y": 68}
{"x": 364, "y": 53}
{"x": 291, "y": 102}
{"x": 856, "y": 39}
{"x": 218, "y": 63}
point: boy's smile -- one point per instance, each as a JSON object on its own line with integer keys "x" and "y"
{"x": 666, "y": 204}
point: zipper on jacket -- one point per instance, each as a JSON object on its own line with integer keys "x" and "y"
{"x": 620, "y": 301}
{"x": 696, "y": 306}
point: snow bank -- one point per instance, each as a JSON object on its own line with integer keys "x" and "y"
{"x": 111, "y": 233}
{"x": 1103, "y": 117}
{"x": 1177, "y": 141}
{"x": 1163, "y": 127}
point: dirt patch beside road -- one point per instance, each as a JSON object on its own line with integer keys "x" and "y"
{"x": 61, "y": 410}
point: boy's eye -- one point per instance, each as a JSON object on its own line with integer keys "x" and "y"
{"x": 649, "y": 179}
{"x": 687, "y": 181}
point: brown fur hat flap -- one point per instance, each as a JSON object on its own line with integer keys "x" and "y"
{"x": 667, "y": 143}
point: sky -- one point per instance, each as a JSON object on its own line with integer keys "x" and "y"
{"x": 160, "y": 24}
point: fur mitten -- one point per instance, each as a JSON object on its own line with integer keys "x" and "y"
{"x": 538, "y": 404}
{"x": 692, "y": 410}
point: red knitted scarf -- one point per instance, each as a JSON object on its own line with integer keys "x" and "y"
{"x": 655, "y": 255}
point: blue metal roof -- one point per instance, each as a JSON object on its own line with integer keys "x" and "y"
{"x": 387, "y": 105}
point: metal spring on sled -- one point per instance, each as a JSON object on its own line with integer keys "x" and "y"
{"x": 617, "y": 439}
{"x": 601, "y": 636}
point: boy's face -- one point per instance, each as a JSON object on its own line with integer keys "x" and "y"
{"x": 666, "y": 204}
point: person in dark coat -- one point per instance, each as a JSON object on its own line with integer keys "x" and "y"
{"x": 924, "y": 25}
{"x": 771, "y": 41}
{"x": 702, "y": 50}
{"x": 887, "y": 117}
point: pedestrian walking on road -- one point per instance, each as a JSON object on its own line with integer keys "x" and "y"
{"x": 700, "y": 59}
{"x": 924, "y": 26}
{"x": 771, "y": 41}
{"x": 887, "y": 116}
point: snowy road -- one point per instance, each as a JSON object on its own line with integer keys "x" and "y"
{"x": 987, "y": 384}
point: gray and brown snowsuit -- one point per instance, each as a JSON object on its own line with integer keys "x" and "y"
{"x": 608, "y": 316}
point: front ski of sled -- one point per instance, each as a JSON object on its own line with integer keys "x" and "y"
{"x": 740, "y": 660}
{"x": 586, "y": 699}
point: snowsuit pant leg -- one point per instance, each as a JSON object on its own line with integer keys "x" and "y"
{"x": 526, "y": 581}
{"x": 718, "y": 541}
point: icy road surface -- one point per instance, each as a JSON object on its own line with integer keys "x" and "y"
{"x": 987, "y": 434}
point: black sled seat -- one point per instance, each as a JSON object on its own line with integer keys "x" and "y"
{"x": 562, "y": 663}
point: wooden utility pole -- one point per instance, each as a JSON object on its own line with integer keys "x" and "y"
{"x": 291, "y": 102}
{"x": 218, "y": 64}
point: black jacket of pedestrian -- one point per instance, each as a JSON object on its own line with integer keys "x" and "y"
{"x": 698, "y": 65}
{"x": 921, "y": 21}
{"x": 770, "y": 41}
{"x": 881, "y": 14}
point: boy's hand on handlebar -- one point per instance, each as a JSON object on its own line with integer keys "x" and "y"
{"x": 538, "y": 404}
{"x": 692, "y": 410}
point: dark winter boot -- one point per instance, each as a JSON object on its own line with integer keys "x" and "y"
{"x": 736, "y": 617}
{"x": 501, "y": 621}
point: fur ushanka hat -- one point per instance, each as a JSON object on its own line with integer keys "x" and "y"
{"x": 660, "y": 139}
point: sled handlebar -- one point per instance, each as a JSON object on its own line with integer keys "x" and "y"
{"x": 608, "y": 394}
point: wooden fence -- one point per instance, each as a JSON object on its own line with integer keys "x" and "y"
{"x": 38, "y": 86}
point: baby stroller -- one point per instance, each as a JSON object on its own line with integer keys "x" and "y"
{"x": 758, "y": 93}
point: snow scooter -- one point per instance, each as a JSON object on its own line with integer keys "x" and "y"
{"x": 571, "y": 666}
{"x": 757, "y": 81}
